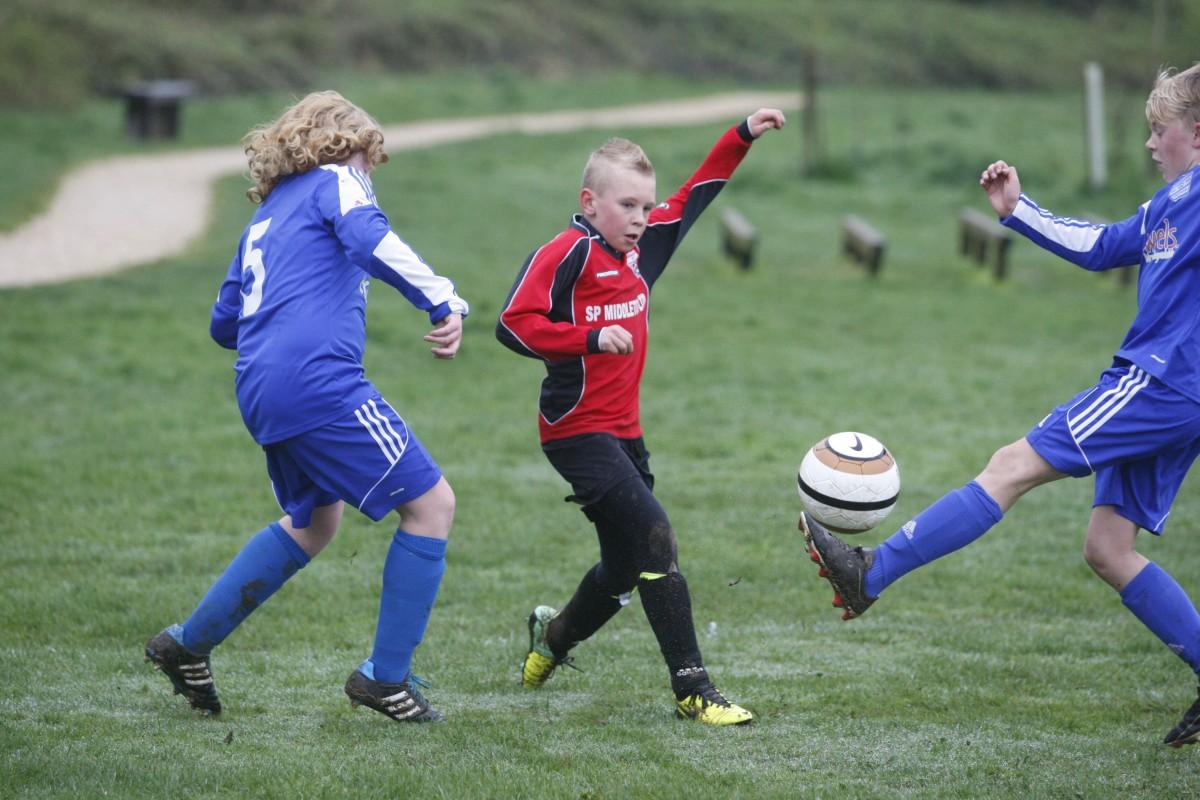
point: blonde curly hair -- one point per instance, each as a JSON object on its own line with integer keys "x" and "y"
{"x": 1176, "y": 95}
{"x": 322, "y": 128}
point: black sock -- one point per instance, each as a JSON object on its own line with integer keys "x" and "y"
{"x": 668, "y": 607}
{"x": 592, "y": 605}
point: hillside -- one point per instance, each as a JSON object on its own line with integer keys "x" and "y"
{"x": 54, "y": 53}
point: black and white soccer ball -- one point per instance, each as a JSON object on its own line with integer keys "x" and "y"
{"x": 848, "y": 482}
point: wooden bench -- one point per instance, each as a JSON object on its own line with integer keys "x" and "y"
{"x": 863, "y": 243}
{"x": 152, "y": 108}
{"x": 738, "y": 237}
{"x": 981, "y": 233}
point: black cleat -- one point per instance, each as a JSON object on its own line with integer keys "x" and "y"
{"x": 190, "y": 673}
{"x": 1188, "y": 729}
{"x": 845, "y": 567}
{"x": 402, "y": 701}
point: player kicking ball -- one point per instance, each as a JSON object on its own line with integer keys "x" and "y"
{"x": 581, "y": 304}
{"x": 293, "y": 306}
{"x": 1137, "y": 429}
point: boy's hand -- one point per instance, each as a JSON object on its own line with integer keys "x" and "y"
{"x": 1003, "y": 187}
{"x": 616, "y": 340}
{"x": 764, "y": 120}
{"x": 447, "y": 335}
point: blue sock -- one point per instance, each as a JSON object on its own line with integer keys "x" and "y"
{"x": 954, "y": 521}
{"x": 1162, "y": 606}
{"x": 411, "y": 576}
{"x": 262, "y": 566}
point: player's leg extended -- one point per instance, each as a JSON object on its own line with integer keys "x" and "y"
{"x": 952, "y": 522}
{"x": 601, "y": 593}
{"x": 263, "y": 565}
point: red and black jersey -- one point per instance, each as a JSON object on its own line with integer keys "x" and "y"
{"x": 576, "y": 284}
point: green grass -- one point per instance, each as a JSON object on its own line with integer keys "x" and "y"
{"x": 1006, "y": 670}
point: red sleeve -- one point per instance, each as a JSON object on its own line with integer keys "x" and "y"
{"x": 672, "y": 219}
{"x": 538, "y": 317}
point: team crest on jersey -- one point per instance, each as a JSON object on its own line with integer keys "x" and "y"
{"x": 1161, "y": 243}
{"x": 631, "y": 261}
{"x": 1181, "y": 187}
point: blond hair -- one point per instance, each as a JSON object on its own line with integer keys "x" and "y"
{"x": 1176, "y": 95}
{"x": 616, "y": 152}
{"x": 322, "y": 128}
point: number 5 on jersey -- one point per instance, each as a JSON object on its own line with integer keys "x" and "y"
{"x": 252, "y": 260}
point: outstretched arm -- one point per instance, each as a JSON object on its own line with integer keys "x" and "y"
{"x": 1091, "y": 246}
{"x": 1003, "y": 187}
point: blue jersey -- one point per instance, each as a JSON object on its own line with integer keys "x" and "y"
{"x": 294, "y": 302}
{"x": 1164, "y": 237}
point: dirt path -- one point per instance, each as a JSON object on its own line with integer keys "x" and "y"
{"x": 129, "y": 210}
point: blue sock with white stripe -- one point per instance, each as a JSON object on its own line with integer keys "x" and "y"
{"x": 954, "y": 521}
{"x": 263, "y": 565}
{"x": 412, "y": 574}
{"x": 1160, "y": 603}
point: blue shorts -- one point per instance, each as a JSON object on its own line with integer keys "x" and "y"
{"x": 1137, "y": 435}
{"x": 370, "y": 459}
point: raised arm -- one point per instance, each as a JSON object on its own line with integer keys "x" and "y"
{"x": 671, "y": 221}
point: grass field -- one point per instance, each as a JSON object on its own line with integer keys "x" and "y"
{"x": 127, "y": 482}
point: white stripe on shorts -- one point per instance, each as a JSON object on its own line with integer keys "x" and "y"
{"x": 1108, "y": 404}
{"x": 403, "y": 443}
{"x": 378, "y": 427}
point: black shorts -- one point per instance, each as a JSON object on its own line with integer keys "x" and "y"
{"x": 593, "y": 463}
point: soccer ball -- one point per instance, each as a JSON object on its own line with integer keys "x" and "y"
{"x": 848, "y": 482}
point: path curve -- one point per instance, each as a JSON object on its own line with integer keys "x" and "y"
{"x": 124, "y": 211}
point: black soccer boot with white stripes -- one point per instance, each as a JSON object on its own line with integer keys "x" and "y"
{"x": 190, "y": 673}
{"x": 842, "y": 565}
{"x": 402, "y": 701}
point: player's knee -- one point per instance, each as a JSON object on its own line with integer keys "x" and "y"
{"x": 615, "y": 579}
{"x": 1104, "y": 554}
{"x": 661, "y": 549}
{"x": 1096, "y": 555}
{"x": 431, "y": 514}
{"x": 1013, "y": 470}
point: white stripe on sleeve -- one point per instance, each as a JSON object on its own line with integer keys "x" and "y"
{"x": 1073, "y": 234}
{"x": 401, "y": 259}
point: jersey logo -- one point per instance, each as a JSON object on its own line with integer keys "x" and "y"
{"x": 631, "y": 261}
{"x": 1161, "y": 243}
{"x": 1181, "y": 187}
{"x": 608, "y": 273}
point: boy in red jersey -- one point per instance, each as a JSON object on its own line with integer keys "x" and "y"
{"x": 581, "y": 304}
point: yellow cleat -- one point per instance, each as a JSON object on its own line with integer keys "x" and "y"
{"x": 536, "y": 670}
{"x": 710, "y": 707}
{"x": 540, "y": 661}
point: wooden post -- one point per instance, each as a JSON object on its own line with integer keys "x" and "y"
{"x": 1093, "y": 103}
{"x": 812, "y": 140}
